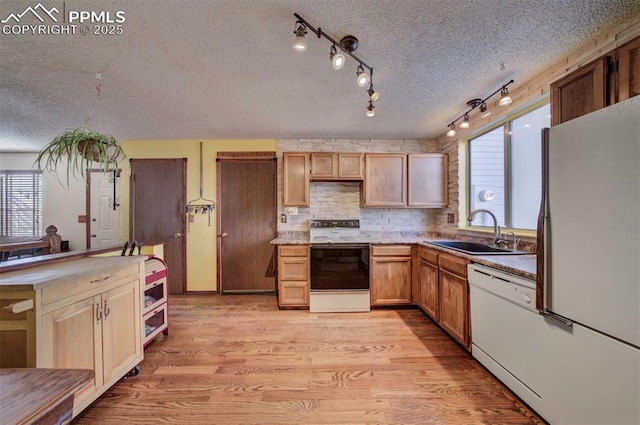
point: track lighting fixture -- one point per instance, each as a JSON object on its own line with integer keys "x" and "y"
{"x": 300, "y": 44}
{"x": 465, "y": 121}
{"x": 362, "y": 77}
{"x": 348, "y": 44}
{"x": 337, "y": 59}
{"x": 373, "y": 95}
{"x": 452, "y": 130}
{"x": 370, "y": 110}
{"x": 505, "y": 100}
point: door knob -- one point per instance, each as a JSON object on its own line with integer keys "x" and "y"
{"x": 177, "y": 235}
{"x": 93, "y": 235}
{"x": 223, "y": 235}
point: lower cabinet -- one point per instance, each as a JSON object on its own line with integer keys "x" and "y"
{"x": 293, "y": 275}
{"x": 86, "y": 315}
{"x": 390, "y": 275}
{"x": 444, "y": 293}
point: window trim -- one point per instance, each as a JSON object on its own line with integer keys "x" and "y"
{"x": 464, "y": 148}
{"x": 37, "y": 227}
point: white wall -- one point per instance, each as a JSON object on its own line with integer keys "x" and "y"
{"x": 61, "y": 205}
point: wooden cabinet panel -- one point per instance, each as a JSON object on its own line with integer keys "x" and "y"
{"x": 351, "y": 166}
{"x": 628, "y": 70}
{"x": 427, "y": 180}
{"x": 390, "y": 276}
{"x": 429, "y": 291}
{"x": 454, "y": 306}
{"x": 337, "y": 166}
{"x": 453, "y": 263}
{"x": 390, "y": 250}
{"x": 293, "y": 275}
{"x": 385, "y": 183}
{"x": 295, "y": 179}
{"x": 580, "y": 92}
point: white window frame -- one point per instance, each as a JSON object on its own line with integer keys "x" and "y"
{"x": 21, "y": 192}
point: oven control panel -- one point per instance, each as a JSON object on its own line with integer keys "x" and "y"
{"x": 320, "y": 224}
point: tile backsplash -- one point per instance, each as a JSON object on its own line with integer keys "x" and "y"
{"x": 342, "y": 199}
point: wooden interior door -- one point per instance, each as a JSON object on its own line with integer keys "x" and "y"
{"x": 157, "y": 212}
{"x": 247, "y": 224}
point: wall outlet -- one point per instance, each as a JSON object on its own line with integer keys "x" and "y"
{"x": 451, "y": 218}
{"x": 82, "y": 219}
{"x": 283, "y": 218}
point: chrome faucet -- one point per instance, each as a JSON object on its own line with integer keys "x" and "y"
{"x": 497, "y": 236}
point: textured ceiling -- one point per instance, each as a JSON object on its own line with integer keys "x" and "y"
{"x": 225, "y": 68}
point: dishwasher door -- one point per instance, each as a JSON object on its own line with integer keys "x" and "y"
{"x": 504, "y": 325}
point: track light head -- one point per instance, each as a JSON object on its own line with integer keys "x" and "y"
{"x": 505, "y": 99}
{"x": 373, "y": 95}
{"x": 465, "y": 121}
{"x": 300, "y": 44}
{"x": 362, "y": 77}
{"x": 370, "y": 110}
{"x": 483, "y": 110}
{"x": 337, "y": 59}
{"x": 452, "y": 130}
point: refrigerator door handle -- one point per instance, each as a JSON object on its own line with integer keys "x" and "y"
{"x": 557, "y": 318}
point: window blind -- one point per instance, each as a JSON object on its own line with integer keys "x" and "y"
{"x": 21, "y": 203}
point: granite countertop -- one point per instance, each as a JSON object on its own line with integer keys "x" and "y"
{"x": 520, "y": 265}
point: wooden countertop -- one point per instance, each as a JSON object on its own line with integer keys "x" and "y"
{"x": 31, "y": 395}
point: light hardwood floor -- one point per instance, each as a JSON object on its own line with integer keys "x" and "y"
{"x": 237, "y": 359}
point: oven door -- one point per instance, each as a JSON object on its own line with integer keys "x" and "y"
{"x": 340, "y": 267}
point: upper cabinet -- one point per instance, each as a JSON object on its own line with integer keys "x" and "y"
{"x": 427, "y": 180}
{"x": 385, "y": 181}
{"x": 295, "y": 179}
{"x": 609, "y": 79}
{"x": 401, "y": 180}
{"x": 337, "y": 166}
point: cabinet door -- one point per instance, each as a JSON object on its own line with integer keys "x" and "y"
{"x": 295, "y": 179}
{"x": 390, "y": 280}
{"x": 72, "y": 339}
{"x": 121, "y": 329}
{"x": 324, "y": 165}
{"x": 628, "y": 75}
{"x": 454, "y": 306}
{"x": 385, "y": 183}
{"x": 429, "y": 293}
{"x": 427, "y": 185}
{"x": 581, "y": 92}
{"x": 351, "y": 166}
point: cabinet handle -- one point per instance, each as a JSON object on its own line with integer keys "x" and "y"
{"x": 98, "y": 313}
{"x": 100, "y": 280}
{"x": 107, "y": 309}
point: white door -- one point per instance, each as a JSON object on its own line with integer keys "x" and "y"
{"x": 106, "y": 211}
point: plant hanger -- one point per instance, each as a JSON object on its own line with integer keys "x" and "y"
{"x": 201, "y": 205}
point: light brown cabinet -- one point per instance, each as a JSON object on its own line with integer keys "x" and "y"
{"x": 427, "y": 181}
{"x": 295, "y": 179}
{"x": 385, "y": 181}
{"x": 390, "y": 275}
{"x": 82, "y": 314}
{"x": 428, "y": 277}
{"x": 454, "y": 297}
{"x": 609, "y": 79}
{"x": 401, "y": 180}
{"x": 293, "y": 275}
{"x": 337, "y": 166}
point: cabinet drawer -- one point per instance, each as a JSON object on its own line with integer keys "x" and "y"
{"x": 429, "y": 256}
{"x": 456, "y": 265}
{"x": 293, "y": 268}
{"x": 155, "y": 322}
{"x": 94, "y": 282}
{"x": 155, "y": 294}
{"x": 391, "y": 250}
{"x": 293, "y": 250}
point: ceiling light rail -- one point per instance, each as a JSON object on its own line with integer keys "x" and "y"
{"x": 347, "y": 45}
{"x": 505, "y": 100}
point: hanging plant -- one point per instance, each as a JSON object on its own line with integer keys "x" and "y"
{"x": 80, "y": 149}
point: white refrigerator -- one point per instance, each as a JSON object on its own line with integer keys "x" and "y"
{"x": 589, "y": 267}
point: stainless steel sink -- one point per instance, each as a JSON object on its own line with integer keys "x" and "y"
{"x": 473, "y": 248}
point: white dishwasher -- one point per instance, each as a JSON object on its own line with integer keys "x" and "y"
{"x": 503, "y": 321}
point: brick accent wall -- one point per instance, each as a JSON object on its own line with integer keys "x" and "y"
{"x": 342, "y": 199}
